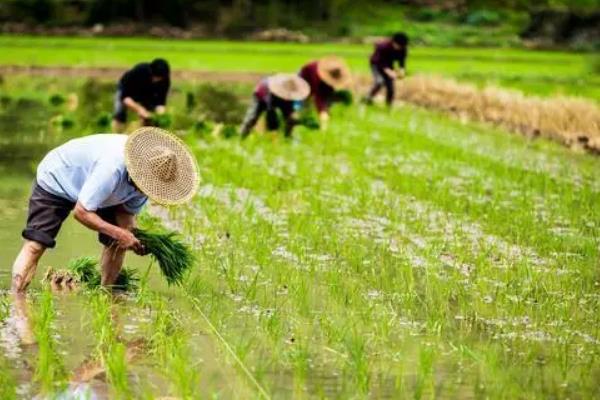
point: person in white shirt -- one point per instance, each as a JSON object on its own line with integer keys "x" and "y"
{"x": 105, "y": 179}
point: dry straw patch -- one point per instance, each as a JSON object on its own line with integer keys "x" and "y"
{"x": 572, "y": 121}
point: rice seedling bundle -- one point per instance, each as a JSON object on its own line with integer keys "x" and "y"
{"x": 160, "y": 120}
{"x": 127, "y": 280}
{"x": 173, "y": 256}
{"x": 309, "y": 121}
{"x": 85, "y": 270}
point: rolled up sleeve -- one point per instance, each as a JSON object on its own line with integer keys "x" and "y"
{"x": 135, "y": 204}
{"x": 98, "y": 187}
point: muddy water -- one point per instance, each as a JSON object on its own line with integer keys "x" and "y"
{"x": 76, "y": 343}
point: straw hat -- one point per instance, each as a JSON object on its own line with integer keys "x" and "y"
{"x": 335, "y": 72}
{"x": 288, "y": 87}
{"x": 161, "y": 166}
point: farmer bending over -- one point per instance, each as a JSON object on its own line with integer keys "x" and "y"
{"x": 105, "y": 179}
{"x": 143, "y": 89}
{"x": 382, "y": 60}
{"x": 281, "y": 91}
{"x": 325, "y": 77}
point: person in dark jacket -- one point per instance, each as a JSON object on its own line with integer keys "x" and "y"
{"x": 382, "y": 60}
{"x": 143, "y": 90}
{"x": 325, "y": 77}
{"x": 278, "y": 92}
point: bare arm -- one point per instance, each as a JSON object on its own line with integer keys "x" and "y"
{"x": 390, "y": 72}
{"x": 137, "y": 107}
{"x": 124, "y": 238}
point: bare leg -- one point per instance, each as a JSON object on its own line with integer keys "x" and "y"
{"x": 112, "y": 262}
{"x": 112, "y": 256}
{"x": 25, "y": 265}
{"x": 374, "y": 90}
{"x": 21, "y": 318}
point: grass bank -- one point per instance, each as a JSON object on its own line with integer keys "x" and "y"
{"x": 537, "y": 72}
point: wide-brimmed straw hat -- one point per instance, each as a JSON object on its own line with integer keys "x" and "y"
{"x": 288, "y": 87}
{"x": 161, "y": 166}
{"x": 335, "y": 72}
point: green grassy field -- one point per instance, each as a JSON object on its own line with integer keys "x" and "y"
{"x": 398, "y": 254}
{"x": 535, "y": 72}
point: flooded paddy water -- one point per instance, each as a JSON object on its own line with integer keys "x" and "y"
{"x": 399, "y": 254}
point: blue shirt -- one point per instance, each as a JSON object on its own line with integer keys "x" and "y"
{"x": 91, "y": 170}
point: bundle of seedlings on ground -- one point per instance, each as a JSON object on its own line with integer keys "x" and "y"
{"x": 174, "y": 257}
{"x": 344, "y": 97}
{"x": 85, "y": 271}
{"x": 127, "y": 280}
{"x": 309, "y": 121}
{"x": 159, "y": 120}
{"x": 103, "y": 120}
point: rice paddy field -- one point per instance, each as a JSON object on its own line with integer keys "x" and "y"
{"x": 398, "y": 254}
{"x": 536, "y": 72}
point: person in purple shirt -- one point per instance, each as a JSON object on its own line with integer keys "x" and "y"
{"x": 283, "y": 92}
{"x": 326, "y": 76}
{"x": 382, "y": 60}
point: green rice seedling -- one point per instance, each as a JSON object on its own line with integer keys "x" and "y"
{"x": 160, "y": 120}
{"x": 344, "y": 97}
{"x": 4, "y": 308}
{"x": 50, "y": 372}
{"x": 202, "y": 127}
{"x": 109, "y": 350}
{"x": 57, "y": 99}
{"x": 309, "y": 121}
{"x": 103, "y": 120}
{"x": 116, "y": 366}
{"x": 174, "y": 257}
{"x": 85, "y": 270}
{"x": 8, "y": 383}
{"x": 425, "y": 378}
{"x": 169, "y": 344}
{"x": 229, "y": 131}
{"x": 128, "y": 279}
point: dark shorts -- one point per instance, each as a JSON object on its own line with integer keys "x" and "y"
{"x": 120, "y": 113}
{"x": 47, "y": 213}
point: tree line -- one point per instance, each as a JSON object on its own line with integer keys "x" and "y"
{"x": 236, "y": 15}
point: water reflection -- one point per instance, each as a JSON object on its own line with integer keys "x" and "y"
{"x": 88, "y": 379}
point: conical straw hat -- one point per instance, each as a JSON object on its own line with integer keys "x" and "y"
{"x": 161, "y": 166}
{"x": 335, "y": 72}
{"x": 288, "y": 87}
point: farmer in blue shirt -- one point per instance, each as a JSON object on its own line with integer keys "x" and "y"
{"x": 105, "y": 180}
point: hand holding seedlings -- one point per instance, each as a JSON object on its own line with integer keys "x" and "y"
{"x": 126, "y": 240}
{"x": 390, "y": 73}
{"x": 174, "y": 257}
